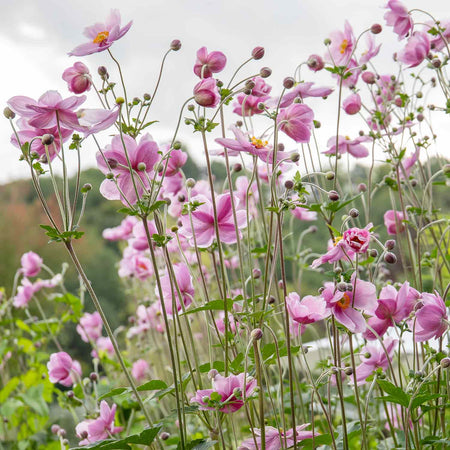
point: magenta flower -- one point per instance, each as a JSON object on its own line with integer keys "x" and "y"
{"x": 352, "y": 104}
{"x": 348, "y": 307}
{"x": 357, "y": 239}
{"x": 398, "y": 17}
{"x": 62, "y": 369}
{"x": 78, "y": 78}
{"x": 102, "y": 35}
{"x": 31, "y": 264}
{"x": 206, "y": 93}
{"x": 185, "y": 286}
{"x": 296, "y": 121}
{"x": 175, "y": 161}
{"x": 315, "y": 63}
{"x": 416, "y": 49}
{"x": 49, "y": 110}
{"x": 90, "y": 327}
{"x": 277, "y": 439}
{"x": 209, "y": 63}
{"x": 302, "y": 91}
{"x": 261, "y": 88}
{"x": 393, "y": 221}
{"x": 122, "y": 232}
{"x": 393, "y": 307}
{"x": 309, "y": 309}
{"x": 431, "y": 318}
{"x": 347, "y": 145}
{"x": 140, "y": 370}
{"x": 379, "y": 358}
{"x": 142, "y": 155}
{"x": 203, "y": 221}
{"x": 342, "y": 44}
{"x": 227, "y": 393}
{"x": 100, "y": 428}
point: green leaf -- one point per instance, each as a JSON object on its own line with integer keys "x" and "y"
{"x": 213, "y": 305}
{"x": 153, "y": 385}
{"x": 198, "y": 444}
{"x": 396, "y": 394}
{"x": 420, "y": 399}
{"x": 113, "y": 392}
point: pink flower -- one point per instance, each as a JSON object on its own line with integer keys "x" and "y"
{"x": 416, "y": 49}
{"x": 102, "y": 35}
{"x": 296, "y": 121}
{"x": 104, "y": 345}
{"x": 206, "y": 93}
{"x": 31, "y": 264}
{"x": 203, "y": 221}
{"x": 393, "y": 307}
{"x": 95, "y": 120}
{"x": 437, "y": 43}
{"x": 62, "y": 369}
{"x": 393, "y": 221}
{"x": 140, "y": 370}
{"x": 227, "y": 393}
{"x": 261, "y": 88}
{"x": 209, "y": 63}
{"x": 342, "y": 43}
{"x": 371, "y": 50}
{"x": 301, "y": 212}
{"x": 138, "y": 239}
{"x": 398, "y": 17}
{"x": 348, "y": 307}
{"x": 307, "y": 310}
{"x": 242, "y": 187}
{"x": 135, "y": 264}
{"x": 176, "y": 160}
{"x": 408, "y": 164}
{"x": 90, "y": 327}
{"x": 144, "y": 154}
{"x": 247, "y": 105}
{"x": 49, "y": 110}
{"x": 379, "y": 358}
{"x": 352, "y": 104}
{"x": 100, "y": 428}
{"x": 122, "y": 232}
{"x": 302, "y": 91}
{"x": 277, "y": 439}
{"x": 24, "y": 293}
{"x": 185, "y": 286}
{"x": 357, "y": 238}
{"x": 78, "y": 78}
{"x": 431, "y": 318}
{"x": 347, "y": 145}
{"x": 315, "y": 63}
{"x": 147, "y": 318}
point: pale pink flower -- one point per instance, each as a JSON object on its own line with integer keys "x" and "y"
{"x": 408, "y": 164}
{"x": 393, "y": 221}
{"x": 398, "y": 17}
{"x": 78, "y": 78}
{"x": 206, "y": 93}
{"x": 209, "y": 63}
{"x": 95, "y": 120}
{"x": 175, "y": 160}
{"x": 302, "y": 91}
{"x": 431, "y": 318}
{"x": 102, "y": 35}
{"x": 140, "y": 370}
{"x": 90, "y": 327}
{"x": 309, "y": 309}
{"x": 139, "y": 240}
{"x": 147, "y": 318}
{"x": 103, "y": 345}
{"x": 31, "y": 264}
{"x": 296, "y": 121}
{"x": 24, "y": 293}
{"x": 342, "y": 44}
{"x": 347, "y": 145}
{"x": 416, "y": 49}
{"x": 438, "y": 43}
{"x": 135, "y": 264}
{"x": 352, "y": 104}
{"x": 203, "y": 221}
{"x": 247, "y": 105}
{"x": 371, "y": 50}
{"x": 122, "y": 232}
{"x": 62, "y": 369}
{"x": 242, "y": 187}
{"x": 230, "y": 390}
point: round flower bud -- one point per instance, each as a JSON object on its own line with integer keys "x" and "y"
{"x": 333, "y": 196}
{"x": 256, "y": 273}
{"x": 93, "y": 376}
{"x": 164, "y": 436}
{"x": 175, "y": 45}
{"x": 86, "y": 187}
{"x": 315, "y": 63}
{"x": 258, "y": 53}
{"x": 445, "y": 363}
{"x": 390, "y": 258}
{"x": 190, "y": 183}
{"x": 112, "y": 162}
{"x": 62, "y": 432}
{"x": 368, "y": 77}
{"x": 109, "y": 176}
{"x": 327, "y": 41}
{"x": 120, "y": 100}
{"x": 102, "y": 71}
{"x": 181, "y": 198}
{"x": 376, "y": 28}
{"x": 191, "y": 107}
{"x": 436, "y": 63}
{"x": 348, "y": 371}
{"x": 349, "y": 287}
{"x": 261, "y": 106}
{"x": 446, "y": 169}
{"x": 174, "y": 229}
{"x": 237, "y": 167}
{"x": 265, "y": 72}
{"x": 9, "y": 113}
{"x": 272, "y": 300}
{"x": 256, "y": 334}
{"x": 341, "y": 286}
{"x": 389, "y": 244}
{"x": 288, "y": 83}
{"x": 250, "y": 84}
{"x": 205, "y": 399}
{"x": 353, "y": 213}
{"x": 294, "y": 157}
{"x": 147, "y": 97}
{"x": 48, "y": 139}
{"x": 84, "y": 434}
{"x": 419, "y": 94}
{"x": 55, "y": 428}
{"x": 248, "y": 92}
{"x": 288, "y": 184}
{"x": 312, "y": 229}
{"x": 420, "y": 117}
{"x": 373, "y": 253}
{"x": 70, "y": 394}
{"x": 362, "y": 187}
{"x": 142, "y": 167}
{"x": 176, "y": 145}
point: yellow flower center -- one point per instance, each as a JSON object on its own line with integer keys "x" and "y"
{"x": 258, "y": 143}
{"x": 336, "y": 240}
{"x": 101, "y": 37}
{"x": 344, "y": 302}
{"x": 344, "y": 46}
{"x": 347, "y": 138}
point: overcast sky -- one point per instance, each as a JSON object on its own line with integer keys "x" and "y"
{"x": 37, "y": 34}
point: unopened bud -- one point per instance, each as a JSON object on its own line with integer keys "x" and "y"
{"x": 390, "y": 258}
{"x": 288, "y": 184}
{"x": 333, "y": 196}
{"x": 84, "y": 434}
{"x": 237, "y": 167}
{"x": 175, "y": 45}
{"x": 190, "y": 183}
{"x": 174, "y": 229}
{"x": 348, "y": 371}
{"x": 272, "y": 300}
{"x": 265, "y": 72}
{"x": 368, "y": 77}
{"x": 48, "y": 139}
{"x": 261, "y": 106}
{"x": 164, "y": 436}
{"x": 55, "y": 428}
{"x": 142, "y": 167}
{"x": 70, "y": 394}
{"x": 86, "y": 188}
{"x": 420, "y": 117}
{"x": 176, "y": 145}
{"x": 109, "y": 176}
{"x": 212, "y": 374}
{"x": 294, "y": 157}
{"x": 258, "y": 53}
{"x": 327, "y": 41}
{"x": 93, "y": 376}
{"x": 120, "y": 100}
{"x": 445, "y": 363}
{"x": 256, "y": 273}
{"x": 256, "y": 334}
{"x": 112, "y": 162}
{"x": 389, "y": 244}
{"x": 376, "y": 28}
{"x": 312, "y": 229}
{"x": 373, "y": 253}
{"x": 102, "y": 71}
{"x": 249, "y": 84}
{"x": 288, "y": 82}
{"x": 191, "y": 107}
{"x": 362, "y": 187}
{"x": 436, "y": 63}
{"x": 9, "y": 113}
{"x": 147, "y": 97}
{"x": 342, "y": 286}
{"x": 353, "y": 213}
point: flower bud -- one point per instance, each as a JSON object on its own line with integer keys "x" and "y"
{"x": 191, "y": 107}
{"x": 256, "y": 273}
{"x": 142, "y": 167}
{"x": 362, "y": 187}
{"x": 261, "y": 106}
{"x": 389, "y": 244}
{"x": 84, "y": 434}
{"x": 341, "y": 286}
{"x": 294, "y": 157}
{"x": 55, "y": 428}
{"x": 373, "y": 253}
{"x": 333, "y": 196}
{"x": 353, "y": 213}
{"x": 348, "y": 371}
{"x": 102, "y": 71}
{"x": 93, "y": 376}
{"x": 109, "y": 176}
{"x": 256, "y": 334}
{"x": 147, "y": 97}
{"x": 9, "y": 113}
{"x": 368, "y": 77}
{"x": 120, "y": 100}
{"x": 272, "y": 300}
{"x": 288, "y": 184}
{"x": 86, "y": 188}
{"x": 164, "y": 436}
{"x": 237, "y": 167}
{"x": 376, "y": 28}
{"x": 112, "y": 162}
{"x": 176, "y": 145}
{"x": 62, "y": 432}
{"x": 312, "y": 229}
{"x": 258, "y": 53}
{"x": 212, "y": 374}
{"x": 70, "y": 394}
{"x": 436, "y": 63}
{"x": 288, "y": 83}
{"x": 175, "y": 45}
{"x": 250, "y": 84}
{"x": 445, "y": 363}
{"x": 265, "y": 72}
{"x": 390, "y": 258}
{"x": 190, "y": 183}
{"x": 315, "y": 63}
{"x": 327, "y": 41}
{"x": 181, "y": 198}
{"x": 48, "y": 139}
